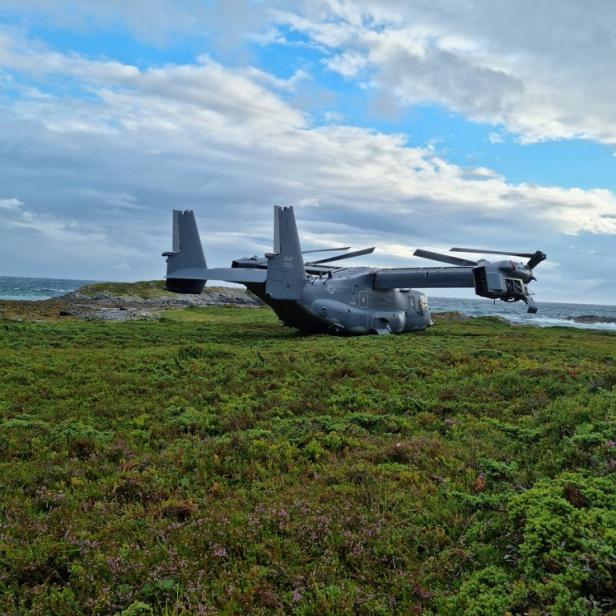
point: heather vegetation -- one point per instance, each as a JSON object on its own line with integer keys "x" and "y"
{"x": 215, "y": 462}
{"x": 150, "y": 290}
{"x": 145, "y": 290}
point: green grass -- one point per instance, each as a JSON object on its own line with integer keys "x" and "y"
{"x": 146, "y": 289}
{"x": 216, "y": 462}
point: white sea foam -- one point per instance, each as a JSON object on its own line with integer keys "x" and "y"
{"x": 540, "y": 321}
{"x": 549, "y": 315}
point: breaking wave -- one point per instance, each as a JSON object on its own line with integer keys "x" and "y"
{"x": 577, "y": 316}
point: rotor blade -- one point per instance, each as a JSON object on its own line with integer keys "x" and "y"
{"x": 493, "y": 252}
{"x": 435, "y": 256}
{"x": 536, "y": 259}
{"x": 348, "y": 255}
{"x": 320, "y": 269}
{"x": 305, "y": 252}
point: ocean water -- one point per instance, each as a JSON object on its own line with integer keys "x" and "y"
{"x": 549, "y": 315}
{"x": 20, "y": 289}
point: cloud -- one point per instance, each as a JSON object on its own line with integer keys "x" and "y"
{"x": 112, "y": 201}
{"x": 50, "y": 228}
{"x": 43, "y": 240}
{"x": 11, "y": 204}
{"x": 540, "y": 72}
{"x": 102, "y": 163}
{"x": 347, "y": 64}
{"x": 229, "y": 24}
{"x": 154, "y": 21}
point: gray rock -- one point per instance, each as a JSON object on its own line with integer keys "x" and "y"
{"x": 106, "y": 305}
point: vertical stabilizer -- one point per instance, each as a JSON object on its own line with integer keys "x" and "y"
{"x": 286, "y": 275}
{"x": 187, "y": 254}
{"x": 276, "y": 248}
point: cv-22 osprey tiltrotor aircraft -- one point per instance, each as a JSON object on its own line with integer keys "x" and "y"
{"x": 315, "y": 296}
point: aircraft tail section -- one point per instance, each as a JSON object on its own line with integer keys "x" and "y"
{"x": 286, "y": 274}
{"x": 187, "y": 271}
{"x": 187, "y": 253}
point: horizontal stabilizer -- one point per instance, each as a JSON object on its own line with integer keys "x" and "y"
{"x": 226, "y": 274}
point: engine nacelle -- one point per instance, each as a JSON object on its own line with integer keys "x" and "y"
{"x": 492, "y": 282}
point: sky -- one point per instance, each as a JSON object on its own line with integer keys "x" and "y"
{"x": 394, "y": 123}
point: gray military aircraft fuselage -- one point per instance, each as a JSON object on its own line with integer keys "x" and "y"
{"x": 344, "y": 301}
{"x": 317, "y": 297}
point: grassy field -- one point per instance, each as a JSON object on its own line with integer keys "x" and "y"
{"x": 217, "y": 463}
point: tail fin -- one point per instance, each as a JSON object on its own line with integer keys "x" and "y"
{"x": 187, "y": 253}
{"x": 285, "y": 267}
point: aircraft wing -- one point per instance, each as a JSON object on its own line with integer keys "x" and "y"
{"x": 424, "y": 277}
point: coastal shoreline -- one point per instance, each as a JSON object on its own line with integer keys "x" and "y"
{"x": 148, "y": 300}
{"x": 122, "y": 302}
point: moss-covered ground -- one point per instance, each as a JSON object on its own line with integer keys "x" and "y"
{"x": 146, "y": 289}
{"x": 217, "y": 463}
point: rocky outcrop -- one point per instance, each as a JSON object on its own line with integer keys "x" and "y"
{"x": 123, "y": 302}
{"x": 211, "y": 296}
